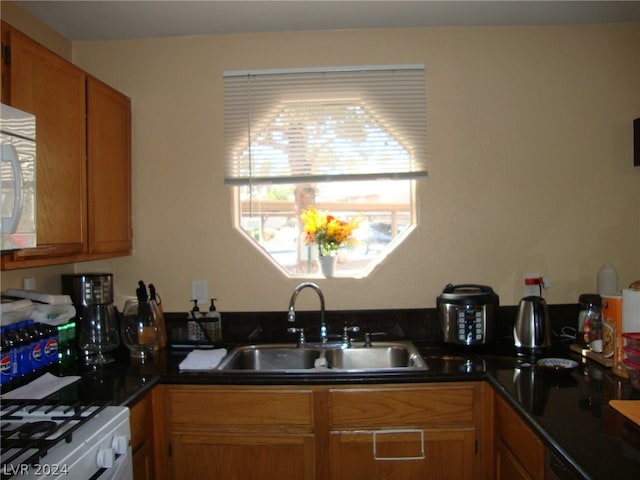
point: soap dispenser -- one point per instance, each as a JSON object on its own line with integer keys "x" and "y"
{"x": 194, "y": 332}
{"x": 214, "y": 317}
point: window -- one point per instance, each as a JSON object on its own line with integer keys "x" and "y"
{"x": 350, "y": 141}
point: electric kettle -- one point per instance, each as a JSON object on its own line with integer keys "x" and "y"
{"x": 532, "y": 329}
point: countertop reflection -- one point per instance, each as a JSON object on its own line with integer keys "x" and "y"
{"x": 571, "y": 412}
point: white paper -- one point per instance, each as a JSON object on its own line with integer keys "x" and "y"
{"x": 40, "y": 388}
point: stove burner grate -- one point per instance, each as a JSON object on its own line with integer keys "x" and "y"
{"x": 29, "y": 429}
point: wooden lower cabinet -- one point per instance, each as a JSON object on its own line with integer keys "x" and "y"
{"x": 142, "y": 436}
{"x": 519, "y": 452}
{"x": 403, "y": 454}
{"x": 320, "y": 432}
{"x": 240, "y": 432}
{"x": 403, "y": 432}
{"x": 248, "y": 456}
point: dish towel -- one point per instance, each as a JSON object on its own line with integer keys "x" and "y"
{"x": 203, "y": 359}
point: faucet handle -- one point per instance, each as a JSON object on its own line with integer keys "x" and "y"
{"x": 346, "y": 340}
{"x": 300, "y": 332}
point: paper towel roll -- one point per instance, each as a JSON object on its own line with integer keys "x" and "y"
{"x": 630, "y": 310}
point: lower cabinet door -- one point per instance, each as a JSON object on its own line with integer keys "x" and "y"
{"x": 402, "y": 454}
{"x": 243, "y": 456}
{"x": 143, "y": 463}
{"x": 507, "y": 465}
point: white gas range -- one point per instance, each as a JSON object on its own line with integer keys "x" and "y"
{"x": 47, "y": 440}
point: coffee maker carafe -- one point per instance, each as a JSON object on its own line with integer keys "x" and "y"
{"x": 96, "y": 322}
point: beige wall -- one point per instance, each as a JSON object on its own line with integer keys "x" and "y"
{"x": 530, "y": 162}
{"x": 37, "y": 30}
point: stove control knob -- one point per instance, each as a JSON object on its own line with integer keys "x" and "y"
{"x": 106, "y": 457}
{"x": 120, "y": 444}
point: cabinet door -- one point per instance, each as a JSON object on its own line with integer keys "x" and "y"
{"x": 109, "y": 169}
{"x": 54, "y": 90}
{"x": 243, "y": 456}
{"x": 518, "y": 448}
{"x": 402, "y": 454}
{"x": 507, "y": 465}
{"x": 142, "y": 435}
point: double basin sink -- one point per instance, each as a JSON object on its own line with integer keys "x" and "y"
{"x": 323, "y": 358}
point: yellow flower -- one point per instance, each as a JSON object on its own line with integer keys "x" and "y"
{"x": 327, "y": 231}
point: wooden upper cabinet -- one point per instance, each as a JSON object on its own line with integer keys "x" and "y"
{"x": 83, "y": 147}
{"x": 109, "y": 168}
{"x": 53, "y": 89}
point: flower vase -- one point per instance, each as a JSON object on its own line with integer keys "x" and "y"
{"x": 328, "y": 264}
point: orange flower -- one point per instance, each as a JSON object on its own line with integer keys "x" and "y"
{"x": 327, "y": 231}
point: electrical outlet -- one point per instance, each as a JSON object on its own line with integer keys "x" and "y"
{"x": 29, "y": 283}
{"x": 533, "y": 284}
{"x": 199, "y": 291}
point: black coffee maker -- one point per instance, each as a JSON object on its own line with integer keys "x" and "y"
{"x": 96, "y": 321}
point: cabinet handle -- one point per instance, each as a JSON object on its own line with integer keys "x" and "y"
{"x": 377, "y": 433}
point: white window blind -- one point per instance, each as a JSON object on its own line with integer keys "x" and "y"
{"x": 317, "y": 125}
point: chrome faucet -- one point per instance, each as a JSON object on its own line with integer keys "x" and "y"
{"x": 292, "y": 311}
{"x": 346, "y": 339}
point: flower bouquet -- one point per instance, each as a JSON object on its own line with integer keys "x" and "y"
{"x": 328, "y": 232}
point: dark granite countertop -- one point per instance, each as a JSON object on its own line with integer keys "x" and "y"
{"x": 570, "y": 411}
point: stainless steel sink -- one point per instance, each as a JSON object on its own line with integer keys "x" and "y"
{"x": 379, "y": 356}
{"x": 323, "y": 358}
{"x": 269, "y": 358}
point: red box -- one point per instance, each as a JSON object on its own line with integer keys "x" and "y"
{"x": 632, "y": 355}
{"x": 632, "y": 340}
{"x": 634, "y": 373}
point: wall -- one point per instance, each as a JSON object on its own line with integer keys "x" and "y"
{"x": 37, "y": 30}
{"x": 530, "y": 162}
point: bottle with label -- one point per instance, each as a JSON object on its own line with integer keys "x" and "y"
{"x": 67, "y": 351}
{"x": 23, "y": 353}
{"x": 591, "y": 304}
{"x": 35, "y": 345}
{"x": 50, "y": 344}
{"x": 214, "y": 322}
{"x": 195, "y": 333}
{"x": 594, "y": 321}
{"x": 612, "y": 344}
{"x": 15, "y": 346}
{"x": 6, "y": 358}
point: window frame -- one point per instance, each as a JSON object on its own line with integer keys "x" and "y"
{"x": 237, "y": 140}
